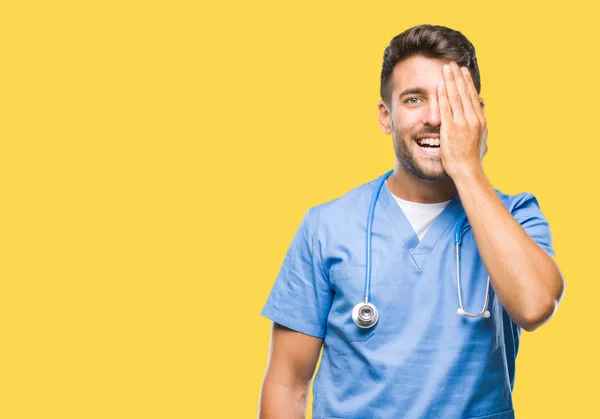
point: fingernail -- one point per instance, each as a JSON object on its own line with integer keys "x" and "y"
{"x": 454, "y": 65}
{"x": 465, "y": 71}
{"x": 447, "y": 68}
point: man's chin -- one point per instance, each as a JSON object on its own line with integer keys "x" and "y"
{"x": 432, "y": 175}
{"x": 423, "y": 169}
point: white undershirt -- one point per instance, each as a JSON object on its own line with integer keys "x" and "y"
{"x": 420, "y": 216}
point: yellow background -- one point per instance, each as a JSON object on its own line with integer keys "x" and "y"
{"x": 157, "y": 157}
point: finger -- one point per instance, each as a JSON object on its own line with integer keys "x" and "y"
{"x": 445, "y": 111}
{"x": 452, "y": 93}
{"x": 463, "y": 93}
{"x": 475, "y": 99}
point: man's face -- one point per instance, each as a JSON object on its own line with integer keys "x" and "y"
{"x": 414, "y": 118}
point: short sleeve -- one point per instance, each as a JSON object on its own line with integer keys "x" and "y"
{"x": 301, "y": 296}
{"x": 527, "y": 212}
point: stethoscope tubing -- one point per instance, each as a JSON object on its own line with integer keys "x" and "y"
{"x": 461, "y": 227}
{"x": 370, "y": 235}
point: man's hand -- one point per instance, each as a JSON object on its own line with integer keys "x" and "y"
{"x": 463, "y": 131}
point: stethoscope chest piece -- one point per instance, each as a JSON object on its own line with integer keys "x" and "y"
{"x": 365, "y": 315}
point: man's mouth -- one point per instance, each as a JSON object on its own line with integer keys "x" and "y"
{"x": 429, "y": 144}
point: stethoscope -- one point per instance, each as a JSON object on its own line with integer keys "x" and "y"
{"x": 365, "y": 314}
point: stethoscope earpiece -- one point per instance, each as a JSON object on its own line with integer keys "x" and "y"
{"x": 486, "y": 314}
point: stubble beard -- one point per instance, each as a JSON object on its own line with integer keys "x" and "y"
{"x": 406, "y": 157}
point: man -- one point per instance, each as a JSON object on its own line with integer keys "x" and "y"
{"x": 404, "y": 352}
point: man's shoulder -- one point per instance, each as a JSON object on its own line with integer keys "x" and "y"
{"x": 514, "y": 202}
{"x": 353, "y": 202}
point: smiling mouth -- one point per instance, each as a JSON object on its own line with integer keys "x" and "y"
{"x": 429, "y": 144}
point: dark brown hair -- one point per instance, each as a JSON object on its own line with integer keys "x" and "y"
{"x": 431, "y": 42}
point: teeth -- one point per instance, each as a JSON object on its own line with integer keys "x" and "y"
{"x": 429, "y": 141}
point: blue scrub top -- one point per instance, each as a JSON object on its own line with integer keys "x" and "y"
{"x": 421, "y": 360}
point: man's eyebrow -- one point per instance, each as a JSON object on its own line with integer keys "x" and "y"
{"x": 414, "y": 91}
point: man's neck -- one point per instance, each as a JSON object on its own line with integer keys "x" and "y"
{"x": 406, "y": 186}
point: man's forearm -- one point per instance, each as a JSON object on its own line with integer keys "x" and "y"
{"x": 525, "y": 278}
{"x": 279, "y": 401}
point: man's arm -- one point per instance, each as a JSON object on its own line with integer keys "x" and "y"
{"x": 525, "y": 278}
{"x": 292, "y": 360}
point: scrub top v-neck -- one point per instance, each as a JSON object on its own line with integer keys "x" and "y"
{"x": 419, "y": 249}
{"x": 420, "y": 215}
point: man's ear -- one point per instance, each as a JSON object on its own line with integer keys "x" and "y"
{"x": 482, "y": 103}
{"x": 384, "y": 118}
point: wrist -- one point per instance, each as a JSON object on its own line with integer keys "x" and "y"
{"x": 466, "y": 174}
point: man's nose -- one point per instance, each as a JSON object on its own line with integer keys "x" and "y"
{"x": 433, "y": 116}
